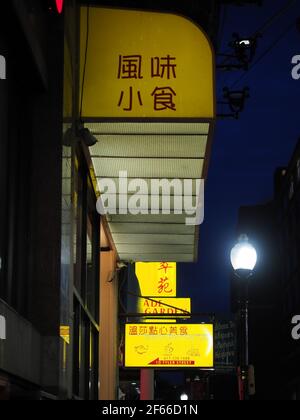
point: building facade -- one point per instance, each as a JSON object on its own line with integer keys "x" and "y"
{"x": 287, "y": 199}
{"x": 31, "y": 100}
{"x": 50, "y": 229}
{"x": 59, "y": 267}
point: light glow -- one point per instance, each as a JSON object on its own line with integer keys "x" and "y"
{"x": 243, "y": 255}
{"x": 59, "y": 5}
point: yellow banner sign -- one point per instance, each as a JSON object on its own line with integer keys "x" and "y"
{"x": 169, "y": 346}
{"x": 166, "y": 306}
{"x": 144, "y": 64}
{"x": 65, "y": 333}
{"x": 157, "y": 279}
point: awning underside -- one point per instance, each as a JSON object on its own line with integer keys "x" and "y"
{"x": 151, "y": 151}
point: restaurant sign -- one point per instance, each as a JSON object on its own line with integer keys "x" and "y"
{"x": 169, "y": 346}
{"x": 157, "y": 279}
{"x": 140, "y": 64}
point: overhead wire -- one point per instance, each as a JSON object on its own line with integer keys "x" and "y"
{"x": 264, "y": 54}
{"x": 223, "y": 23}
{"x": 261, "y": 30}
{"x": 273, "y": 18}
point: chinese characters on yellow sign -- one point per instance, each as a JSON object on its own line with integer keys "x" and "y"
{"x": 157, "y": 279}
{"x": 131, "y": 67}
{"x": 141, "y": 64}
{"x": 169, "y": 346}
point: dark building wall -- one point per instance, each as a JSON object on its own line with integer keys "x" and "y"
{"x": 30, "y": 207}
{"x": 3, "y": 160}
{"x": 45, "y": 189}
{"x": 31, "y": 122}
{"x": 287, "y": 199}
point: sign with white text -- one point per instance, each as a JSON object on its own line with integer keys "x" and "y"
{"x": 225, "y": 345}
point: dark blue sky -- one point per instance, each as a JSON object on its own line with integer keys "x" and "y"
{"x": 245, "y": 152}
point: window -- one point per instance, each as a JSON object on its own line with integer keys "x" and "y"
{"x": 292, "y": 189}
{"x": 298, "y": 170}
{"x": 3, "y": 183}
{"x": 15, "y": 177}
{"x": 86, "y": 285}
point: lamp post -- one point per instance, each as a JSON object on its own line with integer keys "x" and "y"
{"x": 243, "y": 260}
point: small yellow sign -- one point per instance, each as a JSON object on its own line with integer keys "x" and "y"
{"x": 157, "y": 279}
{"x": 169, "y": 346}
{"x": 140, "y": 64}
{"x": 65, "y": 333}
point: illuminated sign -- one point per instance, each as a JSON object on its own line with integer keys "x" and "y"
{"x": 142, "y": 64}
{"x": 2, "y": 328}
{"x": 165, "y": 306}
{"x": 2, "y": 68}
{"x": 169, "y": 346}
{"x": 65, "y": 333}
{"x": 157, "y": 279}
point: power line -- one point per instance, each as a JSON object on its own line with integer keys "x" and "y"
{"x": 260, "y": 31}
{"x": 265, "y": 53}
{"x": 273, "y": 18}
{"x": 224, "y": 18}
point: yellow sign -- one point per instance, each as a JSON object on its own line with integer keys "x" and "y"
{"x": 139, "y": 64}
{"x": 169, "y": 346}
{"x": 157, "y": 279}
{"x": 65, "y": 333}
{"x": 166, "y": 306}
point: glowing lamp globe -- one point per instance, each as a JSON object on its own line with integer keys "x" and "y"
{"x": 243, "y": 255}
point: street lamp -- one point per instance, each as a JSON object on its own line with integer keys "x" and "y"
{"x": 243, "y": 260}
{"x": 184, "y": 397}
{"x": 243, "y": 256}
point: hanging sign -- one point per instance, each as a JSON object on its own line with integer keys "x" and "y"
{"x": 169, "y": 346}
{"x": 157, "y": 279}
{"x": 140, "y": 64}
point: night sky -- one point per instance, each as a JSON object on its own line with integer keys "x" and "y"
{"x": 245, "y": 152}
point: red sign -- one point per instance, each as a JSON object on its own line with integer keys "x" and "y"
{"x": 59, "y": 5}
